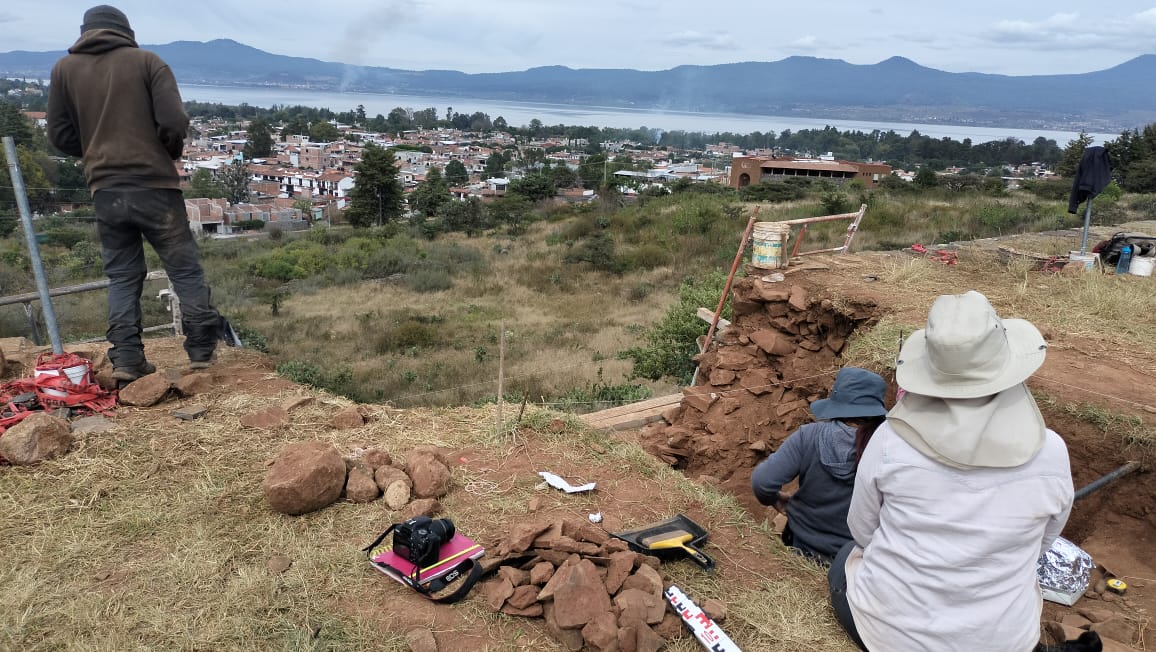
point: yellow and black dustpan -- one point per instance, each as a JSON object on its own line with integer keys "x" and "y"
{"x": 675, "y": 537}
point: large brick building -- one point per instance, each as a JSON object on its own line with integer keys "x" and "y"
{"x": 750, "y": 170}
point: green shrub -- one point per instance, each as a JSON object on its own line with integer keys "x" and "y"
{"x": 300, "y": 372}
{"x": 61, "y": 237}
{"x": 600, "y": 396}
{"x": 639, "y": 292}
{"x": 249, "y": 225}
{"x": 835, "y": 203}
{"x": 1050, "y": 189}
{"x": 597, "y": 251}
{"x": 695, "y": 217}
{"x": 647, "y": 256}
{"x": 671, "y": 343}
{"x": 252, "y": 339}
{"x": 771, "y": 191}
{"x": 277, "y": 267}
{"x": 429, "y": 279}
{"x": 406, "y": 335}
{"x": 998, "y": 218}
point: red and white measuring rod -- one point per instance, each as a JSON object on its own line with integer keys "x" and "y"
{"x": 705, "y": 630}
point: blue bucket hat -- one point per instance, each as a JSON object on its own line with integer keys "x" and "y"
{"x": 857, "y": 394}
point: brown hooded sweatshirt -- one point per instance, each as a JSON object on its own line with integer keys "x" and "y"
{"x": 118, "y": 106}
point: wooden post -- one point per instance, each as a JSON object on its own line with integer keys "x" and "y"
{"x": 726, "y": 290}
{"x": 175, "y": 308}
{"x": 501, "y": 372}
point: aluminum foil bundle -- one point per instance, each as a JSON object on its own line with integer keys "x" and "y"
{"x": 1064, "y": 572}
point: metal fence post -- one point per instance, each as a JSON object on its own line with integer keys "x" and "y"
{"x": 33, "y": 247}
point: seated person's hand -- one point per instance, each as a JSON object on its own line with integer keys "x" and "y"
{"x": 781, "y": 503}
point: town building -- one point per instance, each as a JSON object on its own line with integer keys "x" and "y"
{"x": 749, "y": 170}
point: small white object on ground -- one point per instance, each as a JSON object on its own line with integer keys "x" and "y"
{"x": 558, "y": 483}
{"x": 596, "y": 517}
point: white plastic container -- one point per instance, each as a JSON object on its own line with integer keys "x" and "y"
{"x": 76, "y": 374}
{"x": 1089, "y": 260}
{"x": 1142, "y": 265}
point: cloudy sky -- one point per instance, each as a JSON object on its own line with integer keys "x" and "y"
{"x": 994, "y": 36}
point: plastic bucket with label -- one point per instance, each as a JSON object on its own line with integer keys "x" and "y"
{"x": 769, "y": 239}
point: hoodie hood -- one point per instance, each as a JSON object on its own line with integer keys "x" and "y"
{"x": 99, "y": 41}
{"x": 836, "y": 444}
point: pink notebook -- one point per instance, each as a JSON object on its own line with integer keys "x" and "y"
{"x": 452, "y": 554}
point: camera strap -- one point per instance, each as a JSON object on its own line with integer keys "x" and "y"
{"x": 469, "y": 572}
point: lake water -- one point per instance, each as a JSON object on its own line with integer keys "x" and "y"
{"x": 521, "y": 113}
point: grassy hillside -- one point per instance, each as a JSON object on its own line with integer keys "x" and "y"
{"x": 389, "y": 315}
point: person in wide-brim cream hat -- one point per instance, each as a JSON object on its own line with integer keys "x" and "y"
{"x": 957, "y": 495}
{"x": 963, "y": 374}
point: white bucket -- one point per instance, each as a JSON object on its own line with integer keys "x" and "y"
{"x": 769, "y": 240}
{"x": 1142, "y": 266}
{"x": 1089, "y": 260}
{"x": 76, "y": 374}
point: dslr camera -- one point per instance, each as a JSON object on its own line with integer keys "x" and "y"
{"x": 419, "y": 540}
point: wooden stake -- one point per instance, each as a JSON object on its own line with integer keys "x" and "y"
{"x": 726, "y": 290}
{"x": 501, "y": 372}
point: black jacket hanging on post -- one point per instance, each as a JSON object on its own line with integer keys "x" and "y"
{"x": 1093, "y": 175}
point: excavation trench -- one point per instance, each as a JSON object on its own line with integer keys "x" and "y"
{"x": 781, "y": 352}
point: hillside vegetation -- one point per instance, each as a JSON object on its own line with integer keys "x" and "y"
{"x": 392, "y": 314}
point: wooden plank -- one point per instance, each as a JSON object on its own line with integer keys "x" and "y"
{"x": 706, "y": 314}
{"x": 621, "y": 410}
{"x": 632, "y": 421}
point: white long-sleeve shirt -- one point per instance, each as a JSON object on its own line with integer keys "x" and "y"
{"x": 946, "y": 558}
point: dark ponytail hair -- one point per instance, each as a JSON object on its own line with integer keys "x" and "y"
{"x": 865, "y": 428}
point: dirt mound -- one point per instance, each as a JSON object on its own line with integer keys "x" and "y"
{"x": 756, "y": 384}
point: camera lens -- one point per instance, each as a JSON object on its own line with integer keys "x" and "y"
{"x": 443, "y": 528}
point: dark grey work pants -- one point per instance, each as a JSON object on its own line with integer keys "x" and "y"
{"x": 837, "y": 581}
{"x": 123, "y": 218}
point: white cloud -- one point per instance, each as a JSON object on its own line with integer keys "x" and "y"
{"x": 808, "y": 42}
{"x": 1074, "y": 31}
{"x": 710, "y": 41}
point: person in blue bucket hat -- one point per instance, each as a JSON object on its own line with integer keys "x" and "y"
{"x": 823, "y": 456}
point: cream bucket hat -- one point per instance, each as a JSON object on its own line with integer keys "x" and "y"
{"x": 966, "y": 404}
{"x": 967, "y": 351}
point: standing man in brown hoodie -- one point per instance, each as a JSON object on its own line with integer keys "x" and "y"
{"x": 118, "y": 107}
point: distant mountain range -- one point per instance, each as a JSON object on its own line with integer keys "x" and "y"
{"x": 897, "y": 89}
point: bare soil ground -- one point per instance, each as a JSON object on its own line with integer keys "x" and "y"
{"x": 155, "y": 535}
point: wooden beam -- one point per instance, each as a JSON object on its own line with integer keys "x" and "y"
{"x": 635, "y": 415}
{"x": 706, "y": 314}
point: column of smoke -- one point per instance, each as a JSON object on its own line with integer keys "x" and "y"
{"x": 365, "y": 28}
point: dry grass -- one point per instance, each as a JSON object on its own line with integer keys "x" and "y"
{"x": 155, "y": 536}
{"x": 1129, "y": 428}
{"x": 1116, "y": 310}
{"x": 563, "y": 326}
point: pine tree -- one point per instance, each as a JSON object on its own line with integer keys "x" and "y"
{"x": 1073, "y": 153}
{"x": 431, "y": 194}
{"x": 456, "y": 173}
{"x": 377, "y": 193}
{"x": 260, "y": 142}
{"x": 14, "y": 123}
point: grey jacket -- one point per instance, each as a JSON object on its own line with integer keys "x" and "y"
{"x": 822, "y": 456}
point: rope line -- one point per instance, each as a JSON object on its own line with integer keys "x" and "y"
{"x": 1094, "y": 393}
{"x": 741, "y": 390}
{"x": 724, "y": 392}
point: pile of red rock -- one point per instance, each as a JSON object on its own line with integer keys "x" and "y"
{"x": 310, "y": 475}
{"x": 608, "y": 597}
{"x": 756, "y": 383}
